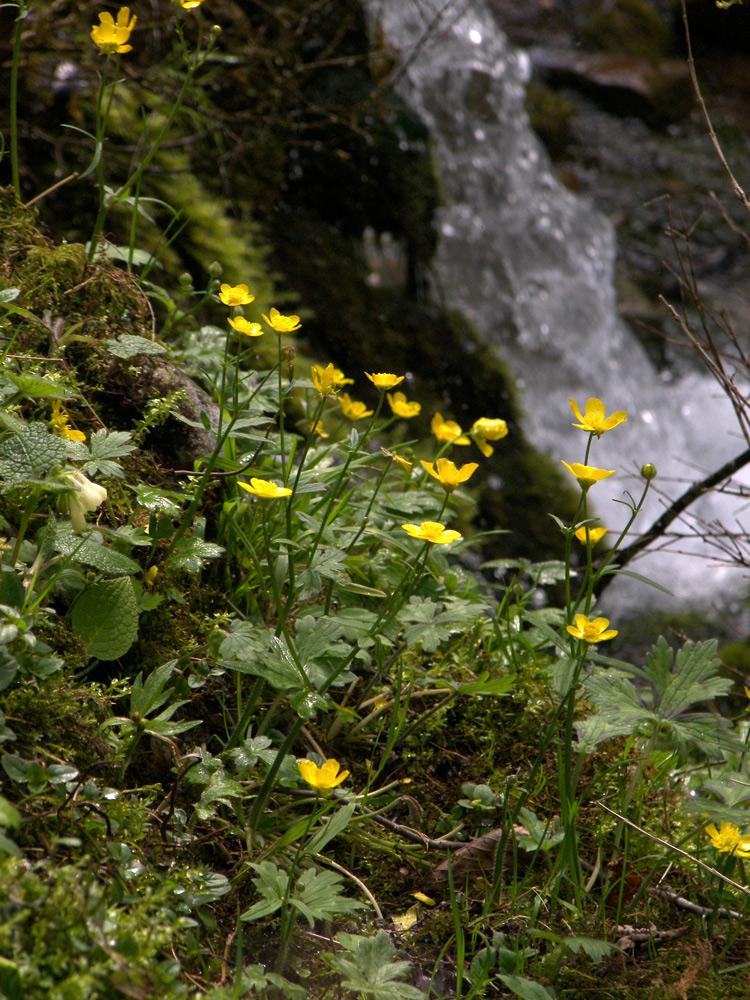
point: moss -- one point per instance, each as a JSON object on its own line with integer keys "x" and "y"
{"x": 634, "y": 27}
{"x": 550, "y": 114}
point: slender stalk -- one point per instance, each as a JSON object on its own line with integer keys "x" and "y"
{"x": 15, "y": 175}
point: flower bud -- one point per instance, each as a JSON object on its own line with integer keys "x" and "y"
{"x": 288, "y": 353}
{"x": 648, "y": 471}
{"x": 215, "y": 269}
{"x": 186, "y": 279}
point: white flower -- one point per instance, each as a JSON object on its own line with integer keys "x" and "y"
{"x": 83, "y": 497}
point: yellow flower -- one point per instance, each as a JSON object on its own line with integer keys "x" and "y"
{"x": 149, "y": 577}
{"x": 353, "y": 409}
{"x": 84, "y": 496}
{"x": 319, "y": 430}
{"x": 728, "y": 839}
{"x": 237, "y": 295}
{"x": 401, "y": 406}
{"x": 282, "y": 324}
{"x": 405, "y": 465}
{"x": 112, "y": 36}
{"x": 265, "y": 490}
{"x": 587, "y": 475}
{"x": 324, "y": 379}
{"x": 324, "y": 778}
{"x": 448, "y": 430}
{"x": 448, "y": 475}
{"x": 591, "y": 631}
{"x": 432, "y": 532}
{"x": 594, "y": 535}
{"x": 241, "y": 325}
{"x": 59, "y": 424}
{"x": 382, "y": 380}
{"x": 593, "y": 419}
{"x": 187, "y": 4}
{"x": 487, "y": 429}
{"x": 341, "y": 379}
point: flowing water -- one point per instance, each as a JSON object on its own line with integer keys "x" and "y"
{"x": 531, "y": 264}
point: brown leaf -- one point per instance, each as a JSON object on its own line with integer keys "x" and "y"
{"x": 476, "y": 859}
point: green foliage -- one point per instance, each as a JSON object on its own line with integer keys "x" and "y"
{"x": 368, "y": 968}
{"x": 664, "y": 703}
{"x": 314, "y": 894}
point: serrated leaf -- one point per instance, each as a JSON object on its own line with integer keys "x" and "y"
{"x": 192, "y": 552}
{"x": 158, "y": 501}
{"x": 104, "y": 448}
{"x": 593, "y": 947}
{"x": 28, "y": 456}
{"x": 369, "y": 968}
{"x": 105, "y": 617}
{"x": 128, "y": 345}
{"x": 525, "y": 988}
{"x": 91, "y": 552}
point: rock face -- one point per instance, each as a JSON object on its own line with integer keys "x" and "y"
{"x": 660, "y": 93}
{"x": 532, "y": 265}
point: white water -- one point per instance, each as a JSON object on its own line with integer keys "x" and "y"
{"x": 532, "y": 266}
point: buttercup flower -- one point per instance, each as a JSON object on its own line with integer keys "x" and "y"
{"x": 265, "y": 490}
{"x": 319, "y": 430}
{"x": 591, "y": 631}
{"x": 83, "y": 497}
{"x": 111, "y": 35}
{"x": 383, "y": 380}
{"x": 401, "y": 406}
{"x": 282, "y": 324}
{"x": 324, "y": 778}
{"x": 237, "y": 295}
{"x": 593, "y": 419}
{"x": 487, "y": 429}
{"x": 241, "y": 325}
{"x": 595, "y": 535}
{"x": 587, "y": 475}
{"x": 340, "y": 378}
{"x": 405, "y": 465}
{"x": 728, "y": 839}
{"x": 353, "y": 409}
{"x": 59, "y": 424}
{"x": 324, "y": 379}
{"x": 448, "y": 430}
{"x": 149, "y": 577}
{"x": 448, "y": 475}
{"x": 432, "y": 532}
{"x": 187, "y": 4}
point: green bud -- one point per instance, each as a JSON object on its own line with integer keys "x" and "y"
{"x": 648, "y": 471}
{"x": 215, "y": 269}
{"x": 186, "y": 279}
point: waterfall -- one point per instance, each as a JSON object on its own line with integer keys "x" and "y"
{"x": 532, "y": 266}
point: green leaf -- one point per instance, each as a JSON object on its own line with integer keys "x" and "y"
{"x": 91, "y": 552}
{"x": 483, "y": 685}
{"x": 27, "y": 457}
{"x": 369, "y": 969}
{"x": 128, "y": 346}
{"x": 105, "y": 616}
{"x": 191, "y": 553}
{"x": 316, "y": 896}
{"x": 104, "y": 448}
{"x": 336, "y": 824}
{"x": 11, "y": 987}
{"x": 525, "y": 988}
{"x": 593, "y": 947}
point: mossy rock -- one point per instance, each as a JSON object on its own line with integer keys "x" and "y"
{"x": 551, "y": 116}
{"x": 632, "y": 27}
{"x": 361, "y": 328}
